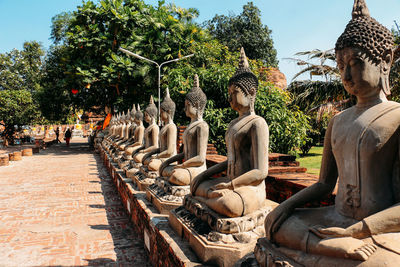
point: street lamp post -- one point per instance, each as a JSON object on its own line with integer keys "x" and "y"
{"x": 159, "y": 66}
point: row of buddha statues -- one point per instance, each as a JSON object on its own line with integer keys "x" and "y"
{"x": 361, "y": 159}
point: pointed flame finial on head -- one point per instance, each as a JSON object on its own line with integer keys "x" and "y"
{"x": 243, "y": 63}
{"x": 167, "y": 93}
{"x": 196, "y": 83}
{"x": 151, "y": 100}
{"x": 138, "y": 107}
{"x": 133, "y": 110}
{"x": 360, "y": 9}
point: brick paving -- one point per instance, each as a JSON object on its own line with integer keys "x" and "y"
{"x": 60, "y": 207}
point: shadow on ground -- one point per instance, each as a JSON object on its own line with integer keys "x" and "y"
{"x": 128, "y": 247}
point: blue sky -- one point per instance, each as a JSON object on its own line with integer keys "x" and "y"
{"x": 297, "y": 25}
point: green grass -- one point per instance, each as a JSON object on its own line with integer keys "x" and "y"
{"x": 312, "y": 161}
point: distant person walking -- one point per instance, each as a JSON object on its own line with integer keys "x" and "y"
{"x": 68, "y": 136}
{"x": 58, "y": 135}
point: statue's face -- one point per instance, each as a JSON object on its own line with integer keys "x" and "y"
{"x": 164, "y": 115}
{"x": 147, "y": 117}
{"x": 237, "y": 98}
{"x": 360, "y": 76}
{"x": 190, "y": 110}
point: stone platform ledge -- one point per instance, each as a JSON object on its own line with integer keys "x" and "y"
{"x": 164, "y": 247}
{"x": 162, "y": 205}
{"x": 214, "y": 253}
{"x": 142, "y": 184}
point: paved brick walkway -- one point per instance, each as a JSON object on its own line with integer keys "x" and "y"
{"x": 61, "y": 208}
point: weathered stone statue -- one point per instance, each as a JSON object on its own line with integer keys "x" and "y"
{"x": 242, "y": 191}
{"x": 175, "y": 180}
{"x": 167, "y": 148}
{"x": 117, "y": 154}
{"x": 361, "y": 156}
{"x": 130, "y": 130}
{"x": 138, "y": 138}
{"x": 228, "y": 212}
{"x": 150, "y": 139}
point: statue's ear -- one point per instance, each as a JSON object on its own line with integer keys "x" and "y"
{"x": 387, "y": 60}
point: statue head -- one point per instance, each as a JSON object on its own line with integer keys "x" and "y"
{"x": 151, "y": 111}
{"x": 243, "y": 85}
{"x": 168, "y": 106}
{"x": 133, "y": 112}
{"x": 128, "y": 116}
{"x": 366, "y": 47}
{"x": 138, "y": 115}
{"x": 123, "y": 117}
{"x": 196, "y": 99}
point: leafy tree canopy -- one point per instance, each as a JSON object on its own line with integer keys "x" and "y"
{"x": 21, "y": 70}
{"x": 247, "y": 31}
{"x": 91, "y": 62}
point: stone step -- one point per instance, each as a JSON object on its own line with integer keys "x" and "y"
{"x": 286, "y": 169}
{"x": 281, "y": 186}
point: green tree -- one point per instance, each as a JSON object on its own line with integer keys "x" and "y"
{"x": 20, "y": 76}
{"x": 22, "y": 69}
{"x": 17, "y": 108}
{"x": 92, "y": 63}
{"x": 245, "y": 30}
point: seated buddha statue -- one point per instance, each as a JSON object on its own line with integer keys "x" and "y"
{"x": 361, "y": 157}
{"x": 120, "y": 127}
{"x": 117, "y": 153}
{"x": 107, "y": 142}
{"x": 195, "y": 140}
{"x": 138, "y": 136}
{"x": 130, "y": 130}
{"x": 150, "y": 139}
{"x": 242, "y": 191}
{"x": 167, "y": 139}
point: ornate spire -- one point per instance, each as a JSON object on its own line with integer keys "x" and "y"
{"x": 133, "y": 111}
{"x": 244, "y": 78}
{"x": 196, "y": 96}
{"x": 365, "y": 33}
{"x": 243, "y": 63}
{"x": 360, "y": 9}
{"x": 151, "y": 108}
{"x": 138, "y": 107}
{"x": 196, "y": 83}
{"x": 167, "y": 93}
{"x": 168, "y": 105}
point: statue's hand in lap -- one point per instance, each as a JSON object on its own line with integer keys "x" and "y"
{"x": 275, "y": 219}
{"x": 330, "y": 232}
{"x": 219, "y": 193}
{"x": 221, "y": 186}
{"x": 358, "y": 230}
{"x": 179, "y": 166}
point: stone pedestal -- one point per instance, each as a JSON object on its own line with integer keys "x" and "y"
{"x": 4, "y": 160}
{"x": 15, "y": 156}
{"x": 142, "y": 182}
{"x": 215, "y": 239}
{"x": 27, "y": 152}
{"x": 166, "y": 196}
